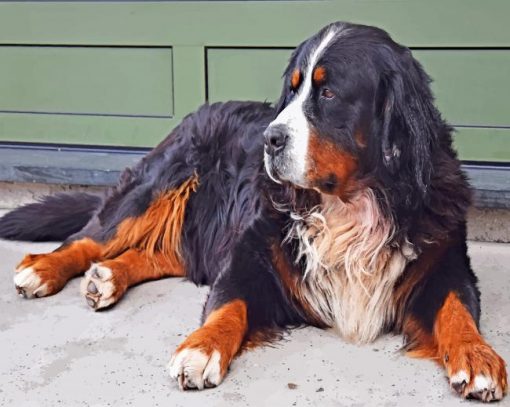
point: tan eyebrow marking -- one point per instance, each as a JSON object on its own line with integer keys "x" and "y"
{"x": 295, "y": 79}
{"x": 319, "y": 75}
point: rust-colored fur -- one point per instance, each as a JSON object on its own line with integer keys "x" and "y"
{"x": 327, "y": 163}
{"x": 158, "y": 229}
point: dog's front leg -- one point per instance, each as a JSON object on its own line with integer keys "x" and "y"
{"x": 442, "y": 323}
{"x": 247, "y": 303}
{"x": 203, "y": 358}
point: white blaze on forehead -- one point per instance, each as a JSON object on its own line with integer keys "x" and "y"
{"x": 293, "y": 116}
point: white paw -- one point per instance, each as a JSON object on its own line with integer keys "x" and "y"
{"x": 29, "y": 284}
{"x": 461, "y": 378}
{"x": 98, "y": 287}
{"x": 485, "y": 388}
{"x": 482, "y": 387}
{"x": 194, "y": 369}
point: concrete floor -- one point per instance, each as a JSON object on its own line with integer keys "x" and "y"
{"x": 57, "y": 352}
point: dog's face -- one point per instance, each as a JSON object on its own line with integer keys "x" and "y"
{"x": 329, "y": 131}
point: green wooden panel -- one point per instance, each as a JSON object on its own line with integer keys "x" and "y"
{"x": 245, "y": 74}
{"x": 471, "y": 87}
{"x": 189, "y": 79}
{"x": 188, "y": 90}
{"x": 91, "y": 130}
{"x": 251, "y": 23}
{"x": 483, "y": 144}
{"x": 91, "y": 80}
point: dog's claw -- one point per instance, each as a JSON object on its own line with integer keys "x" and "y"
{"x": 21, "y": 292}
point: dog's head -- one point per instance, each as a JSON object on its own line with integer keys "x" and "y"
{"x": 356, "y": 108}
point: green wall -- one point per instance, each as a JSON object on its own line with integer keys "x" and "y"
{"x": 125, "y": 73}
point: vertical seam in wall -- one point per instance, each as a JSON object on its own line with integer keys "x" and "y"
{"x": 206, "y": 74}
{"x": 173, "y": 82}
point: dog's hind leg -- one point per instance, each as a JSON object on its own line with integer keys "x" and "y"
{"x": 146, "y": 247}
{"x": 40, "y": 275}
{"x": 106, "y": 282}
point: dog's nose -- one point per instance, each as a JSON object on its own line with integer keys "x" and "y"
{"x": 276, "y": 138}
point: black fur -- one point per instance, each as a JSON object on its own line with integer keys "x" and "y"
{"x": 53, "y": 218}
{"x": 259, "y": 285}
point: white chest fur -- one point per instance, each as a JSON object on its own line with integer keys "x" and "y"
{"x": 351, "y": 270}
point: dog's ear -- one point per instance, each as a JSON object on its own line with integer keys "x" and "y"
{"x": 385, "y": 106}
{"x": 409, "y": 122}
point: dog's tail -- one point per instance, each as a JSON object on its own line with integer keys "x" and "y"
{"x": 53, "y": 218}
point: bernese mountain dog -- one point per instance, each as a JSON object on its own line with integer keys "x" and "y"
{"x": 343, "y": 206}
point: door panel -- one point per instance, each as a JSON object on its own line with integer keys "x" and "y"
{"x": 86, "y": 80}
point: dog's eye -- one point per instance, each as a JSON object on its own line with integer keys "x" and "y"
{"x": 327, "y": 93}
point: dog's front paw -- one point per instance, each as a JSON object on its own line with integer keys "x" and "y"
{"x": 201, "y": 361}
{"x": 476, "y": 371}
{"x": 203, "y": 358}
{"x": 195, "y": 368}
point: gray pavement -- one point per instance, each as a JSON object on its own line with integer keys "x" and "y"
{"x": 57, "y": 352}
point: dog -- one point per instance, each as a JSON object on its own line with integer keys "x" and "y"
{"x": 342, "y": 206}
